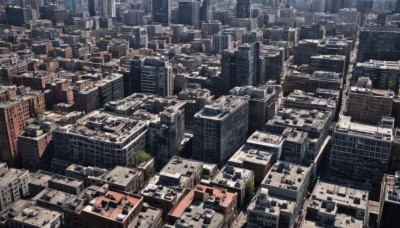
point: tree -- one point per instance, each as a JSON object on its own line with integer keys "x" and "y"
{"x": 142, "y": 156}
{"x": 249, "y": 191}
{"x": 38, "y": 113}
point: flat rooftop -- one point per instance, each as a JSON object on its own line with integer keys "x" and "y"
{"x": 371, "y": 131}
{"x": 270, "y": 205}
{"x": 232, "y": 177}
{"x": 38, "y": 217}
{"x": 301, "y": 119}
{"x": 250, "y": 154}
{"x": 392, "y": 188}
{"x": 178, "y": 165}
{"x": 146, "y": 218}
{"x": 222, "y": 107}
{"x": 285, "y": 176}
{"x": 372, "y": 92}
{"x": 340, "y": 196}
{"x": 265, "y": 138}
{"x": 105, "y": 127}
{"x": 113, "y": 205}
{"x": 54, "y": 197}
{"x": 166, "y": 186}
{"x": 120, "y": 175}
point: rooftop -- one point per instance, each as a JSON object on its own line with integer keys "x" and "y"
{"x": 54, "y": 197}
{"x": 380, "y": 131}
{"x": 146, "y": 218}
{"x": 392, "y": 188}
{"x": 372, "y": 92}
{"x": 166, "y": 186}
{"x": 120, "y": 175}
{"x": 265, "y": 138}
{"x": 250, "y": 154}
{"x": 205, "y": 196}
{"x": 299, "y": 96}
{"x": 38, "y": 217}
{"x": 221, "y": 107}
{"x": 232, "y": 177}
{"x": 285, "y": 176}
{"x": 11, "y": 175}
{"x": 327, "y": 197}
{"x": 113, "y": 205}
{"x": 178, "y": 165}
{"x": 378, "y": 64}
{"x": 105, "y": 127}
{"x": 300, "y": 118}
{"x": 271, "y": 205}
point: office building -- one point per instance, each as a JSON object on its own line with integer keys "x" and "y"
{"x": 13, "y": 185}
{"x": 161, "y": 11}
{"x": 295, "y": 146}
{"x": 262, "y": 104}
{"x": 54, "y": 200}
{"x": 214, "y": 207}
{"x": 267, "y": 141}
{"x": 166, "y": 132}
{"x": 331, "y": 63}
{"x": 19, "y": 16}
{"x": 84, "y": 173}
{"x": 383, "y": 74}
{"x": 196, "y": 98}
{"x": 302, "y": 100}
{"x": 220, "y": 129}
{"x": 389, "y": 201}
{"x": 379, "y": 43}
{"x": 189, "y": 13}
{"x": 234, "y": 180}
{"x": 289, "y": 182}
{"x": 360, "y": 153}
{"x": 314, "y": 31}
{"x": 243, "y": 8}
{"x": 337, "y": 206}
{"x": 154, "y": 75}
{"x": 369, "y": 105}
{"x": 257, "y": 160}
{"x": 125, "y": 137}
{"x": 221, "y": 42}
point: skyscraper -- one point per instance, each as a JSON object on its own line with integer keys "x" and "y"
{"x": 161, "y": 10}
{"x": 189, "y": 13}
{"x": 243, "y": 8}
{"x": 205, "y": 14}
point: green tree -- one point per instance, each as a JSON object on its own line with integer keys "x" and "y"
{"x": 249, "y": 191}
{"x": 38, "y": 113}
{"x": 142, "y": 156}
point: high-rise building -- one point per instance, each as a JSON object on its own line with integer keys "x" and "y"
{"x": 360, "y": 153}
{"x": 383, "y": 74}
{"x": 389, "y": 201}
{"x": 262, "y": 104}
{"x": 243, "y": 8}
{"x": 18, "y": 16}
{"x": 108, "y": 8}
{"x": 156, "y": 76}
{"x": 13, "y": 115}
{"x": 220, "y": 129}
{"x": 188, "y": 13}
{"x": 379, "y": 43}
{"x": 369, "y": 105}
{"x": 220, "y": 42}
{"x": 13, "y": 185}
{"x": 205, "y": 12}
{"x": 161, "y": 10}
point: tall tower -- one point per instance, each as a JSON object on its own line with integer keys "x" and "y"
{"x": 161, "y": 10}
{"x": 243, "y": 8}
